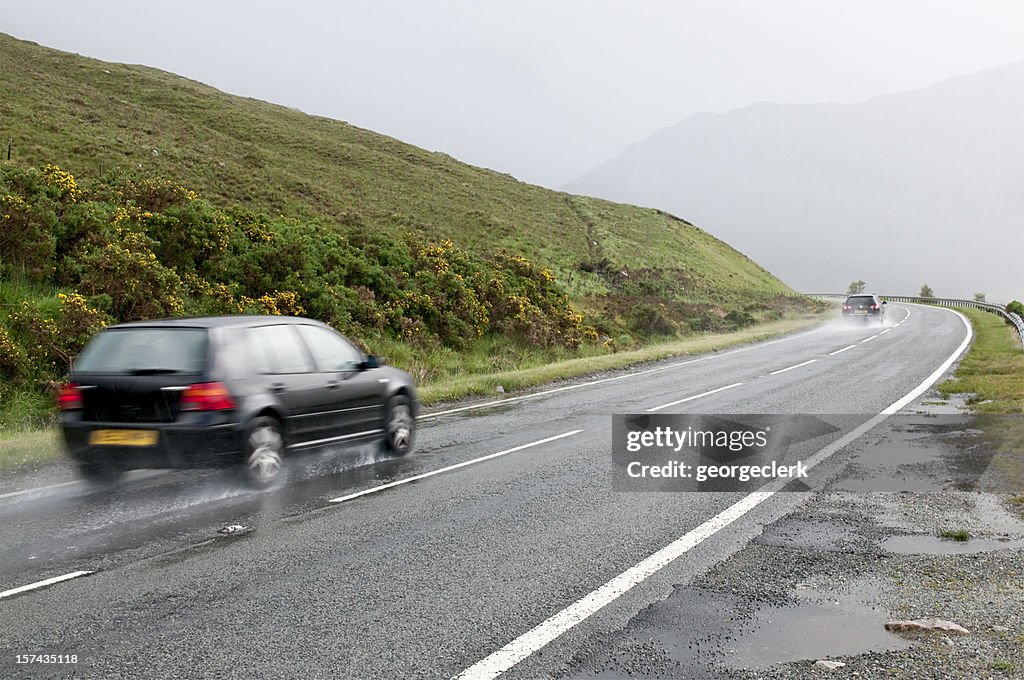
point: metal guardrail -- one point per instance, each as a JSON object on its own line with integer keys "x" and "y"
{"x": 1011, "y": 318}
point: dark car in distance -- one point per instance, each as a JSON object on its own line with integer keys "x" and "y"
{"x": 867, "y": 307}
{"x": 241, "y": 391}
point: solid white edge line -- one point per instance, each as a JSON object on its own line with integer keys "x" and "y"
{"x": 790, "y": 368}
{"x": 391, "y": 485}
{"x": 38, "y": 489}
{"x": 526, "y": 644}
{"x": 870, "y": 339}
{"x": 919, "y": 390}
{"x": 43, "y": 584}
{"x": 696, "y": 396}
{"x": 707, "y": 356}
{"x": 832, "y": 354}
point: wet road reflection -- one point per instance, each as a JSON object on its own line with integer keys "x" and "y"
{"x": 148, "y": 512}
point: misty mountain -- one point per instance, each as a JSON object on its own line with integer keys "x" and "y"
{"x": 925, "y": 186}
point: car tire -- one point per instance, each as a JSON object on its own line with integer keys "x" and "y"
{"x": 264, "y": 452}
{"x": 399, "y": 426}
{"x": 98, "y": 473}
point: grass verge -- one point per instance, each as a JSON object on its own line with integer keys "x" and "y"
{"x": 992, "y": 374}
{"x": 470, "y": 385}
{"x": 25, "y": 449}
{"x": 993, "y": 371}
{"x": 28, "y": 449}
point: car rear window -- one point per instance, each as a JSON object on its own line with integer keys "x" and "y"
{"x": 865, "y": 300}
{"x": 145, "y": 351}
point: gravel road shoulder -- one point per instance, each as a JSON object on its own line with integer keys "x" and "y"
{"x": 810, "y": 597}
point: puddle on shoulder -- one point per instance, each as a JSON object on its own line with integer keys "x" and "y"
{"x": 934, "y": 545}
{"x": 824, "y": 624}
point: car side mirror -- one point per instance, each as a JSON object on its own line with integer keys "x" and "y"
{"x": 884, "y": 302}
{"x": 370, "y": 362}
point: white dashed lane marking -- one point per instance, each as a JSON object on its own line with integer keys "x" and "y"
{"x": 696, "y": 396}
{"x": 790, "y": 368}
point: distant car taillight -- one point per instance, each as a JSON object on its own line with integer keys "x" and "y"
{"x": 847, "y": 308}
{"x": 213, "y": 396}
{"x": 70, "y": 397}
{"x": 874, "y": 307}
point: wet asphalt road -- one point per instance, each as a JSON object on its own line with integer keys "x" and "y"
{"x": 425, "y": 579}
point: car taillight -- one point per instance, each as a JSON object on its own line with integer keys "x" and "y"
{"x": 70, "y": 397}
{"x": 213, "y": 396}
{"x": 847, "y": 308}
{"x": 875, "y": 307}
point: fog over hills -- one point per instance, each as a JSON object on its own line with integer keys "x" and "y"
{"x": 925, "y": 186}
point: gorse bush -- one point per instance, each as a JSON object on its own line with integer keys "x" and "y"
{"x": 52, "y": 336}
{"x": 31, "y": 209}
{"x": 144, "y": 248}
{"x": 127, "y": 248}
{"x": 38, "y": 340}
{"x": 127, "y": 272}
{"x": 651, "y": 319}
{"x": 14, "y": 361}
{"x": 739, "y": 318}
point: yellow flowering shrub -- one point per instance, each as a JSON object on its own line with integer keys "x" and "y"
{"x": 14, "y": 362}
{"x": 127, "y": 270}
{"x": 126, "y": 247}
{"x": 54, "y": 339}
{"x": 28, "y": 221}
{"x": 62, "y": 181}
{"x": 278, "y": 303}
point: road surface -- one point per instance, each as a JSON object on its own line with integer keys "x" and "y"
{"x": 500, "y": 566}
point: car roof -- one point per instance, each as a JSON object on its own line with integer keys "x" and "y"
{"x": 236, "y": 320}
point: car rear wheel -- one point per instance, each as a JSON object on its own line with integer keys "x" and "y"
{"x": 99, "y": 474}
{"x": 399, "y": 426}
{"x": 264, "y": 450}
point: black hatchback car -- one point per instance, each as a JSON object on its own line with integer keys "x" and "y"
{"x": 867, "y": 307}
{"x": 227, "y": 391}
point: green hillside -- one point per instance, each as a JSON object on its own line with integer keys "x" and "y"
{"x": 88, "y": 116}
{"x": 218, "y": 203}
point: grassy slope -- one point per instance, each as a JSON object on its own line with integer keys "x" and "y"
{"x": 87, "y": 115}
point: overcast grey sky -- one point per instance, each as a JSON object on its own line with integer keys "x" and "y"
{"x": 542, "y": 89}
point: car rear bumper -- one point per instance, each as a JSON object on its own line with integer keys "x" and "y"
{"x": 176, "y": 446}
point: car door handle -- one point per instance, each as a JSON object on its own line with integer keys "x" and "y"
{"x": 332, "y": 384}
{"x": 278, "y": 387}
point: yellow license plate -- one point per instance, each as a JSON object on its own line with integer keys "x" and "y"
{"x": 123, "y": 437}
